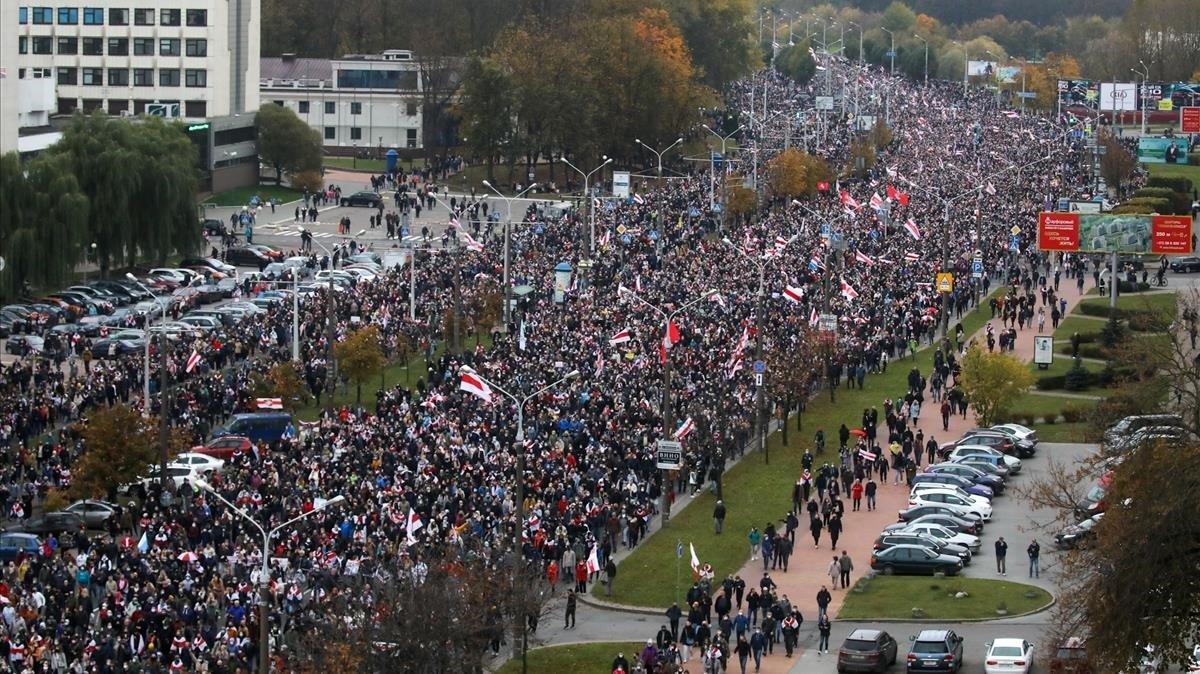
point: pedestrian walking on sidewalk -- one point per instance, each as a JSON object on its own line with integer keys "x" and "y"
{"x": 834, "y": 571}
{"x": 755, "y": 538}
{"x": 569, "y": 619}
{"x": 814, "y": 527}
{"x": 824, "y": 626}
{"x": 823, "y": 599}
{"x": 1035, "y": 552}
{"x": 845, "y": 566}
{"x": 1001, "y": 552}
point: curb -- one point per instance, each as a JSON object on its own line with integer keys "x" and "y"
{"x": 624, "y": 608}
{"x": 1040, "y": 609}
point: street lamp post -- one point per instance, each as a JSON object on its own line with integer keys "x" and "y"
{"x": 712, "y": 167}
{"x": 892, "y": 52}
{"x": 667, "y": 148}
{"x": 860, "y": 41}
{"x": 668, "y": 417}
{"x": 264, "y": 601}
{"x": 330, "y": 313}
{"x": 926, "y": 57}
{"x": 586, "y": 195}
{"x": 1145, "y": 73}
{"x": 760, "y": 262}
{"x": 507, "y": 244}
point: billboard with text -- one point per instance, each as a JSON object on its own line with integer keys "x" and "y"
{"x": 1152, "y": 150}
{"x": 1105, "y": 233}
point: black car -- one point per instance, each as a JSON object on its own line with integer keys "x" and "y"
{"x": 246, "y": 257}
{"x": 1188, "y": 263}
{"x": 14, "y": 321}
{"x": 363, "y": 199}
{"x": 971, "y": 473}
{"x": 890, "y": 539}
{"x": 935, "y": 651}
{"x": 912, "y": 513}
{"x": 56, "y": 523}
{"x": 1079, "y": 534}
{"x": 914, "y": 559}
{"x": 867, "y": 651}
{"x": 213, "y": 227}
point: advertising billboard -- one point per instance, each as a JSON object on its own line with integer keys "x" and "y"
{"x": 981, "y": 68}
{"x": 1119, "y": 96}
{"x": 1008, "y": 74}
{"x": 1162, "y": 150}
{"x": 1189, "y": 119}
{"x": 1150, "y": 95}
{"x": 621, "y": 184}
{"x": 1106, "y": 233}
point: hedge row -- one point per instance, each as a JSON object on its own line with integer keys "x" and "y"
{"x": 1175, "y": 183}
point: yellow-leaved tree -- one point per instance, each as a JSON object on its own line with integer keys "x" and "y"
{"x": 992, "y": 381}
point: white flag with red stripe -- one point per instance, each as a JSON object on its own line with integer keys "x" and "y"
{"x": 910, "y": 226}
{"x": 637, "y": 199}
{"x": 911, "y": 257}
{"x": 848, "y": 201}
{"x": 814, "y": 317}
{"x": 411, "y": 528}
{"x": 593, "y": 561}
{"x": 990, "y": 188}
{"x": 686, "y": 427}
{"x": 269, "y": 403}
{"x": 474, "y": 384}
{"x": 621, "y": 337}
{"x": 670, "y": 338}
{"x": 192, "y": 361}
{"x": 848, "y": 291}
{"x": 862, "y": 257}
{"x": 876, "y": 201}
{"x": 793, "y": 293}
{"x": 472, "y": 243}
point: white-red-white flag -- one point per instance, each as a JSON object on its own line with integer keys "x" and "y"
{"x": 670, "y": 338}
{"x": 474, "y": 384}
{"x": 411, "y": 528}
{"x": 686, "y": 427}
{"x": 910, "y": 226}
{"x": 876, "y": 201}
{"x": 269, "y": 403}
{"x": 814, "y": 317}
{"x": 620, "y": 337}
{"x": 848, "y": 201}
{"x": 793, "y": 293}
{"x": 862, "y": 257}
{"x": 637, "y": 198}
{"x": 848, "y": 291}
{"x": 593, "y": 561}
{"x": 911, "y": 257}
{"x": 192, "y": 361}
{"x": 472, "y": 243}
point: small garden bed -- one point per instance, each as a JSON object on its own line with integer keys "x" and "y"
{"x": 895, "y": 597}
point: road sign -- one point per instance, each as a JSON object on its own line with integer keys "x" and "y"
{"x": 759, "y": 367}
{"x": 889, "y": 53}
{"x": 827, "y": 323}
{"x": 945, "y": 282}
{"x": 1026, "y": 94}
{"x": 977, "y": 268}
{"x": 621, "y": 229}
{"x": 670, "y": 455}
{"x": 758, "y": 379}
{"x": 679, "y": 549}
{"x": 1014, "y": 244}
{"x": 824, "y": 103}
{"x": 1015, "y": 230}
{"x": 621, "y": 184}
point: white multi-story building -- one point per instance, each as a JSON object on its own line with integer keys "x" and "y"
{"x": 195, "y": 59}
{"x": 370, "y": 102}
{"x": 8, "y": 79}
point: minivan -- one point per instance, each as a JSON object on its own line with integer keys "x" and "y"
{"x": 13, "y": 544}
{"x": 256, "y": 426}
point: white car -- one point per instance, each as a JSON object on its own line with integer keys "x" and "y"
{"x": 952, "y": 500}
{"x": 1005, "y": 656}
{"x": 935, "y": 486}
{"x": 362, "y": 274}
{"x": 1018, "y": 432}
{"x": 1012, "y": 463}
{"x": 202, "y": 323}
{"x": 945, "y": 535}
{"x": 201, "y": 463}
{"x": 176, "y": 473}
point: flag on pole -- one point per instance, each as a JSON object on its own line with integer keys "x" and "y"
{"x": 411, "y": 528}
{"x": 695, "y": 559}
{"x": 269, "y": 403}
{"x": 686, "y": 427}
{"x": 902, "y": 197}
{"x": 780, "y": 244}
{"x": 815, "y": 263}
{"x": 793, "y": 293}
{"x": 911, "y": 257}
{"x": 521, "y": 336}
{"x": 472, "y": 243}
{"x": 593, "y": 561}
{"x": 866, "y": 455}
{"x": 848, "y": 201}
{"x": 848, "y": 291}
{"x": 989, "y": 188}
{"x": 1011, "y": 114}
{"x": 144, "y": 543}
{"x": 716, "y": 297}
{"x": 453, "y": 220}
{"x": 862, "y": 257}
{"x": 620, "y": 338}
{"x": 472, "y": 383}
{"x": 814, "y": 317}
{"x": 892, "y": 192}
{"x": 637, "y": 198}
{"x": 192, "y": 361}
{"x": 876, "y": 201}
{"x": 910, "y": 226}
{"x": 670, "y": 338}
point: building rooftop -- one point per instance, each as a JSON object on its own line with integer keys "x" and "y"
{"x": 290, "y": 68}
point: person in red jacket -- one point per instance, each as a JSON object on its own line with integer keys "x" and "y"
{"x": 552, "y": 574}
{"x": 581, "y": 576}
{"x": 856, "y": 493}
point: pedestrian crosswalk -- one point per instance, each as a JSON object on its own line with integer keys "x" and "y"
{"x": 296, "y": 232}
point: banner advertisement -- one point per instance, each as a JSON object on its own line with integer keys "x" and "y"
{"x": 1162, "y": 150}
{"x": 1152, "y": 96}
{"x": 1118, "y": 96}
{"x": 1189, "y": 119}
{"x": 981, "y": 68}
{"x": 621, "y": 184}
{"x": 1106, "y": 233}
{"x": 1008, "y": 74}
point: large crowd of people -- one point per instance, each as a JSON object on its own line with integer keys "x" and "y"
{"x": 958, "y": 173}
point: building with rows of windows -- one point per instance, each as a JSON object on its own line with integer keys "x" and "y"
{"x": 358, "y": 103}
{"x": 195, "y": 60}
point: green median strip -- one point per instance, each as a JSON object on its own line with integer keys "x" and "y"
{"x": 590, "y": 658}
{"x": 757, "y": 493}
{"x": 908, "y": 597}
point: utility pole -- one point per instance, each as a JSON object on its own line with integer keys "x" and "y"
{"x": 164, "y": 412}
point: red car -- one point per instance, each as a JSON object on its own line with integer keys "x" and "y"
{"x": 225, "y": 447}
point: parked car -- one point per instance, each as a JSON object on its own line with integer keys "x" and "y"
{"x": 913, "y": 512}
{"x": 201, "y": 463}
{"x": 210, "y": 263}
{"x": 1093, "y": 502}
{"x": 212, "y": 227}
{"x": 1001, "y": 441}
{"x": 13, "y": 545}
{"x": 95, "y": 514}
{"x": 953, "y": 500}
{"x": 1019, "y": 432}
{"x": 1130, "y": 424}
{"x": 944, "y": 534}
{"x": 1144, "y": 435}
{"x": 867, "y": 650}
{"x": 989, "y": 465}
{"x": 24, "y": 345}
{"x": 247, "y": 256}
{"x": 1007, "y": 655}
{"x": 363, "y": 199}
{"x": 1013, "y": 464}
{"x": 119, "y": 343}
{"x": 914, "y": 559}
{"x": 1185, "y": 264}
{"x": 57, "y": 523}
{"x": 272, "y": 253}
{"x": 202, "y": 323}
{"x": 178, "y": 475}
{"x": 256, "y": 426}
{"x": 951, "y": 522}
{"x": 1070, "y": 657}
{"x": 893, "y": 538}
{"x": 976, "y": 476}
{"x": 225, "y": 447}
{"x": 1078, "y": 534}
{"x": 935, "y": 651}
{"x": 955, "y": 481}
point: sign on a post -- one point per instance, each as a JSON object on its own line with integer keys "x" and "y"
{"x": 759, "y": 367}
{"x": 1189, "y": 119}
{"x": 670, "y": 455}
{"x": 621, "y": 184}
{"x": 824, "y": 103}
{"x": 1043, "y": 351}
{"x": 827, "y": 323}
{"x": 1104, "y": 232}
{"x": 758, "y": 379}
{"x": 945, "y": 282}
{"x": 977, "y": 267}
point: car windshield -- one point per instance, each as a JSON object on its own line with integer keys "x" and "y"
{"x": 859, "y": 645}
{"x": 929, "y": 647}
{"x": 1007, "y": 651}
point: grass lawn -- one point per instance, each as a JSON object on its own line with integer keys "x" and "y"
{"x": 1030, "y": 406}
{"x": 1061, "y": 366}
{"x": 1063, "y": 432}
{"x": 1164, "y": 302}
{"x": 240, "y": 196}
{"x": 1075, "y": 323}
{"x": 592, "y": 658}
{"x": 376, "y": 165}
{"x": 1176, "y": 170}
{"x": 894, "y": 597}
{"x": 755, "y": 493}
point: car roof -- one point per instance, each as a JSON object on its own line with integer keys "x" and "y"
{"x": 17, "y": 534}
{"x": 933, "y": 635}
{"x": 865, "y": 634}
{"x": 1007, "y": 641}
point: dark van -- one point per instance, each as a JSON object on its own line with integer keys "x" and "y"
{"x": 256, "y": 426}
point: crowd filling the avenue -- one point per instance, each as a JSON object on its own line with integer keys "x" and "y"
{"x": 172, "y": 583}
